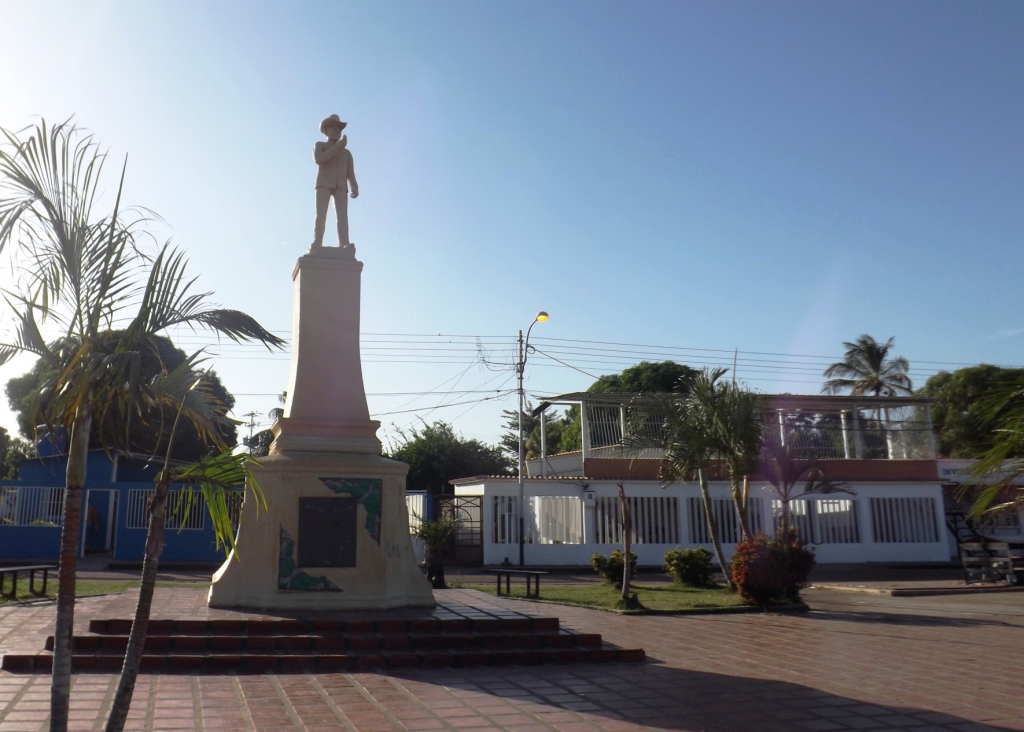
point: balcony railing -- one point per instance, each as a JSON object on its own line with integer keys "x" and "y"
{"x": 878, "y": 429}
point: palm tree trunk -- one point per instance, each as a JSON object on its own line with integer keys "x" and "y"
{"x": 741, "y": 505}
{"x": 78, "y": 461}
{"x": 702, "y": 480}
{"x": 140, "y": 624}
{"x": 785, "y": 519}
{"x": 627, "y": 535}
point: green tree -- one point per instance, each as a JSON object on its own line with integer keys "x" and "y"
{"x": 866, "y": 368}
{"x": 28, "y": 397}
{"x": 647, "y": 377}
{"x": 962, "y": 398}
{"x": 104, "y": 297}
{"x": 17, "y": 451}
{"x": 436, "y": 455}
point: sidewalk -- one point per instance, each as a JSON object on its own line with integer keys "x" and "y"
{"x": 853, "y": 662}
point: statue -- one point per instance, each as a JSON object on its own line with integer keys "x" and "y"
{"x": 334, "y": 179}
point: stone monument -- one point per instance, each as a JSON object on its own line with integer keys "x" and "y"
{"x": 335, "y": 532}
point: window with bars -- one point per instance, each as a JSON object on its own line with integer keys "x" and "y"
{"x": 655, "y": 519}
{"x": 725, "y": 518}
{"x": 904, "y": 520}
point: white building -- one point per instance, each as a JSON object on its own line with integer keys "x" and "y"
{"x": 883, "y": 448}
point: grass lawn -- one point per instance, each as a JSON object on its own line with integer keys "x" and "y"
{"x": 85, "y": 588}
{"x": 659, "y": 597}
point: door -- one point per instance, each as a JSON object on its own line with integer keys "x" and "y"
{"x": 468, "y": 547}
{"x": 99, "y": 518}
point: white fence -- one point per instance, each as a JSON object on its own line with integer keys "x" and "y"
{"x": 568, "y": 522}
{"x": 31, "y": 505}
{"x": 821, "y": 520}
{"x": 548, "y": 520}
{"x": 727, "y": 522}
{"x": 903, "y": 520}
{"x": 654, "y": 519}
{"x": 184, "y": 511}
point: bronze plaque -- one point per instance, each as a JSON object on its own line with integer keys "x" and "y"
{"x": 327, "y": 532}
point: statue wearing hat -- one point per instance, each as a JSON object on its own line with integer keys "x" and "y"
{"x": 335, "y": 178}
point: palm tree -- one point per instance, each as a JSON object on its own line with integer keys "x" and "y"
{"x": 436, "y": 536}
{"x": 689, "y": 438}
{"x": 214, "y": 477}
{"x": 784, "y": 467}
{"x": 867, "y": 369}
{"x": 738, "y": 419}
{"x": 88, "y": 280}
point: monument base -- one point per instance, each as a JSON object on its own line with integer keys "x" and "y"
{"x": 334, "y": 536}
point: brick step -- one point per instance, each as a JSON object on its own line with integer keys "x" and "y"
{"x": 337, "y": 641}
{"x": 351, "y": 661}
{"x": 122, "y": 626}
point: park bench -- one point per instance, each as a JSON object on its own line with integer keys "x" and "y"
{"x": 14, "y": 571}
{"x": 530, "y": 574}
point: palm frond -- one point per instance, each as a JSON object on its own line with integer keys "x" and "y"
{"x": 215, "y": 477}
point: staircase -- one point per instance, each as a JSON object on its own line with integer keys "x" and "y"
{"x": 260, "y": 645}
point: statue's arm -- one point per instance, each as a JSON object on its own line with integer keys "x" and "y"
{"x": 324, "y": 151}
{"x": 353, "y": 185}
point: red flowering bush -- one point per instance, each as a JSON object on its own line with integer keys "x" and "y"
{"x": 759, "y": 569}
{"x": 767, "y": 569}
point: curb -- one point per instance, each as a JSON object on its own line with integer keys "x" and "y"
{"x": 919, "y": 592}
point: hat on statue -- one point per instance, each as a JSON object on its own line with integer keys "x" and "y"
{"x": 332, "y": 121}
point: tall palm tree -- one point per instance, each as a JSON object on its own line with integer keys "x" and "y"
{"x": 87, "y": 280}
{"x": 867, "y": 369}
{"x": 738, "y": 419}
{"x": 689, "y": 438}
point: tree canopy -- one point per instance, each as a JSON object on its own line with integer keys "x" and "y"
{"x": 563, "y": 433}
{"x": 436, "y": 455}
{"x": 960, "y": 414}
{"x": 148, "y": 432}
{"x": 646, "y": 376}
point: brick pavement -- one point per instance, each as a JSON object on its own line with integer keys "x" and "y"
{"x": 838, "y": 669}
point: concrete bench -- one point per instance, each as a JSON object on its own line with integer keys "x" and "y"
{"x": 533, "y": 574}
{"x": 32, "y": 569}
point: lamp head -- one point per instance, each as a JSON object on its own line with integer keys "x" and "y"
{"x": 541, "y": 316}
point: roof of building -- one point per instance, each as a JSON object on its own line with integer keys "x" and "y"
{"x": 538, "y": 478}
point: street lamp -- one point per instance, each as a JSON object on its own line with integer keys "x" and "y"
{"x": 524, "y": 346}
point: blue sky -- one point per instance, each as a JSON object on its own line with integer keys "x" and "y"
{"x": 774, "y": 178}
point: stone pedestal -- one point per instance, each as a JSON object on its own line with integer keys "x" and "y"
{"x": 335, "y": 530}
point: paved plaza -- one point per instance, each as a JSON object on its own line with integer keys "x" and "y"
{"x": 856, "y": 661}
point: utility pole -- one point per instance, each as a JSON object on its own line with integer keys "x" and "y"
{"x": 520, "y": 368}
{"x": 523, "y": 348}
{"x": 252, "y": 425}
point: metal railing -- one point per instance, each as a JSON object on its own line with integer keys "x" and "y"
{"x": 861, "y": 432}
{"x": 31, "y": 506}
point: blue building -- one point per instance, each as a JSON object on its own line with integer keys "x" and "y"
{"x": 115, "y": 514}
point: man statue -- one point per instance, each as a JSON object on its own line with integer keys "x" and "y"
{"x": 333, "y": 180}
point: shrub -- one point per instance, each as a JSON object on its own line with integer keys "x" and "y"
{"x": 799, "y": 561}
{"x": 759, "y": 569}
{"x": 610, "y": 567}
{"x": 690, "y": 566}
